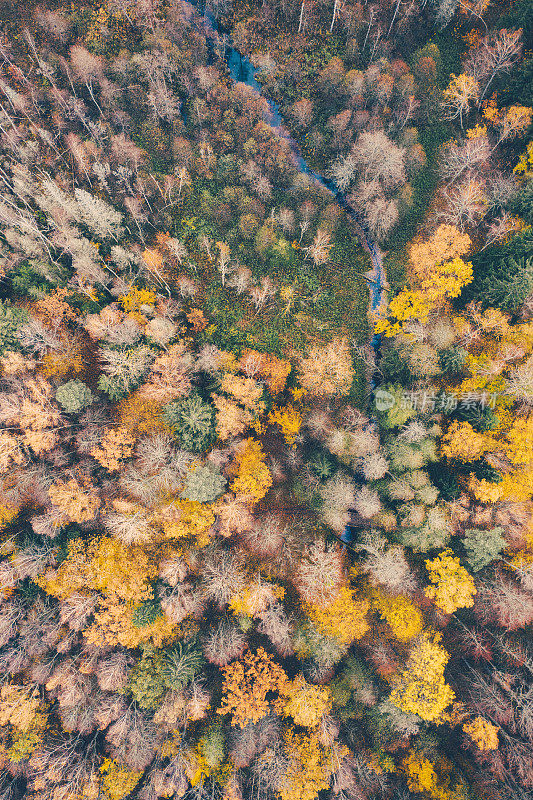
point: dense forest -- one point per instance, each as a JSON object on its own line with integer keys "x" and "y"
{"x": 266, "y": 400}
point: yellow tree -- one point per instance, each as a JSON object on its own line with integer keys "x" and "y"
{"x": 306, "y": 704}
{"x": 246, "y": 685}
{"x": 454, "y": 588}
{"x": 76, "y": 502}
{"x": 420, "y": 687}
{"x": 483, "y": 733}
{"x": 117, "y": 781}
{"x": 289, "y": 420}
{"x": 253, "y": 476}
{"x": 403, "y": 617}
{"x": 309, "y": 769}
{"x": 457, "y": 97}
{"x": 464, "y": 443}
{"x": 342, "y": 618}
{"x": 445, "y": 244}
{"x": 116, "y": 445}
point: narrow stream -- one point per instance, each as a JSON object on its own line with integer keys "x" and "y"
{"x": 243, "y": 71}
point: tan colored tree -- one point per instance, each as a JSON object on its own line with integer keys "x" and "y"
{"x": 232, "y": 419}
{"x": 77, "y": 502}
{"x": 117, "y": 445}
{"x": 169, "y": 377}
{"x": 319, "y": 250}
{"x": 328, "y": 370}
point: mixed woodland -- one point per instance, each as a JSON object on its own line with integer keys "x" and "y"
{"x": 260, "y": 540}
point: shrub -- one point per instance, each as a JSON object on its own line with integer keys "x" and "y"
{"x": 321, "y": 465}
{"x": 192, "y": 422}
{"x": 203, "y": 485}
{"x": 212, "y": 745}
{"x": 73, "y": 396}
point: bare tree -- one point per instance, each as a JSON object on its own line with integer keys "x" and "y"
{"x": 496, "y": 53}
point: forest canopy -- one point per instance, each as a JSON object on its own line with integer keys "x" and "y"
{"x": 266, "y": 400}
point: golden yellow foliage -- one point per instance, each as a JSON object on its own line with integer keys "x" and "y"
{"x": 186, "y": 518}
{"x": 113, "y": 625}
{"x": 342, "y": 618}
{"x": 420, "y": 772}
{"x": 7, "y": 515}
{"x": 24, "y": 742}
{"x": 289, "y": 420}
{"x": 404, "y": 618}
{"x": 18, "y": 706}
{"x": 117, "y": 445}
{"x": 244, "y": 390}
{"x": 464, "y": 443}
{"x": 139, "y": 415}
{"x": 445, "y": 244}
{"x": 422, "y": 777}
{"x": 420, "y": 687}
{"x": 255, "y": 598}
{"x": 519, "y": 441}
{"x": 136, "y": 299}
{"x": 246, "y": 685}
{"x": 483, "y": 733}
{"x": 446, "y": 281}
{"x": 253, "y": 476}
{"x": 525, "y": 162}
{"x": 454, "y": 588}
{"x": 484, "y": 491}
{"x": 309, "y": 769}
{"x": 458, "y": 94}
{"x": 104, "y": 565}
{"x": 76, "y": 502}
{"x": 118, "y": 781}
{"x": 306, "y": 703}
{"x": 67, "y": 361}
{"x": 406, "y": 306}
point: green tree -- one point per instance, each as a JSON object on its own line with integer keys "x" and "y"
{"x": 74, "y": 395}
{"x": 192, "y": 421}
{"x": 483, "y": 546}
{"x": 11, "y": 319}
{"x": 503, "y": 274}
{"x": 203, "y": 484}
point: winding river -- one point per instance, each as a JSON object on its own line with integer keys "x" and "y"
{"x": 243, "y": 71}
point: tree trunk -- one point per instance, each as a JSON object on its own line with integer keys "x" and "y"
{"x": 335, "y": 4}
{"x": 301, "y": 16}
